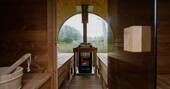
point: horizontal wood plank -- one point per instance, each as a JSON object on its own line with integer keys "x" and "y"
{"x": 35, "y": 80}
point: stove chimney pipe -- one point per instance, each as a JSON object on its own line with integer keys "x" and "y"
{"x": 85, "y": 21}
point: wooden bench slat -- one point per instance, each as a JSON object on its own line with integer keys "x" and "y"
{"x": 163, "y": 81}
{"x": 63, "y": 58}
{"x": 35, "y": 80}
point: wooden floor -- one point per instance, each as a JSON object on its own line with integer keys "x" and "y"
{"x": 85, "y": 82}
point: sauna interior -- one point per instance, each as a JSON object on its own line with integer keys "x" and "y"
{"x": 137, "y": 55}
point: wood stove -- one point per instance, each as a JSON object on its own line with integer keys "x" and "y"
{"x": 85, "y": 54}
{"x": 85, "y": 60}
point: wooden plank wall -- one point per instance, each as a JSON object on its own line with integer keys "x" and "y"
{"x": 163, "y": 45}
{"x": 128, "y": 70}
{"x": 163, "y": 42}
{"x": 24, "y": 28}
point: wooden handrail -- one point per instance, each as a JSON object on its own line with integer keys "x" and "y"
{"x": 17, "y": 63}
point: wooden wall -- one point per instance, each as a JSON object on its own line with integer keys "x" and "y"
{"x": 163, "y": 42}
{"x": 23, "y": 29}
{"x": 26, "y": 27}
{"x": 127, "y": 70}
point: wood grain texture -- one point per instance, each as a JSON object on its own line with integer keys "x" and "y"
{"x": 163, "y": 41}
{"x": 125, "y": 68}
{"x": 85, "y": 82}
{"x": 25, "y": 29}
{"x": 65, "y": 69}
{"x": 102, "y": 68}
{"x": 21, "y": 32}
{"x": 35, "y": 80}
{"x": 137, "y": 39}
{"x": 163, "y": 81}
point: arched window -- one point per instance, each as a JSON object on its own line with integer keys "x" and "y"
{"x": 71, "y": 33}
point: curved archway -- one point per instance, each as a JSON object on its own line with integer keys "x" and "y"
{"x": 71, "y": 32}
{"x": 74, "y": 15}
{"x": 103, "y": 24}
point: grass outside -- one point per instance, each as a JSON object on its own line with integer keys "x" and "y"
{"x": 68, "y": 47}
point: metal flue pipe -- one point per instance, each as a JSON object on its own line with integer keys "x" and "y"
{"x": 85, "y": 21}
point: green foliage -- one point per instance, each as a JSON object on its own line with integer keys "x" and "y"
{"x": 70, "y": 38}
{"x": 98, "y": 42}
{"x": 60, "y": 37}
{"x": 68, "y": 48}
{"x": 69, "y": 34}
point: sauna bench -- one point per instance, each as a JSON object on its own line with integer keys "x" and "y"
{"x": 163, "y": 81}
{"x": 103, "y": 58}
{"x": 64, "y": 66}
{"x": 63, "y": 58}
{"x": 35, "y": 80}
{"x": 102, "y": 64}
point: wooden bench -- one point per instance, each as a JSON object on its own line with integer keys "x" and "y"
{"x": 35, "y": 80}
{"x": 102, "y": 68}
{"x": 163, "y": 81}
{"x": 64, "y": 66}
{"x": 63, "y": 58}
